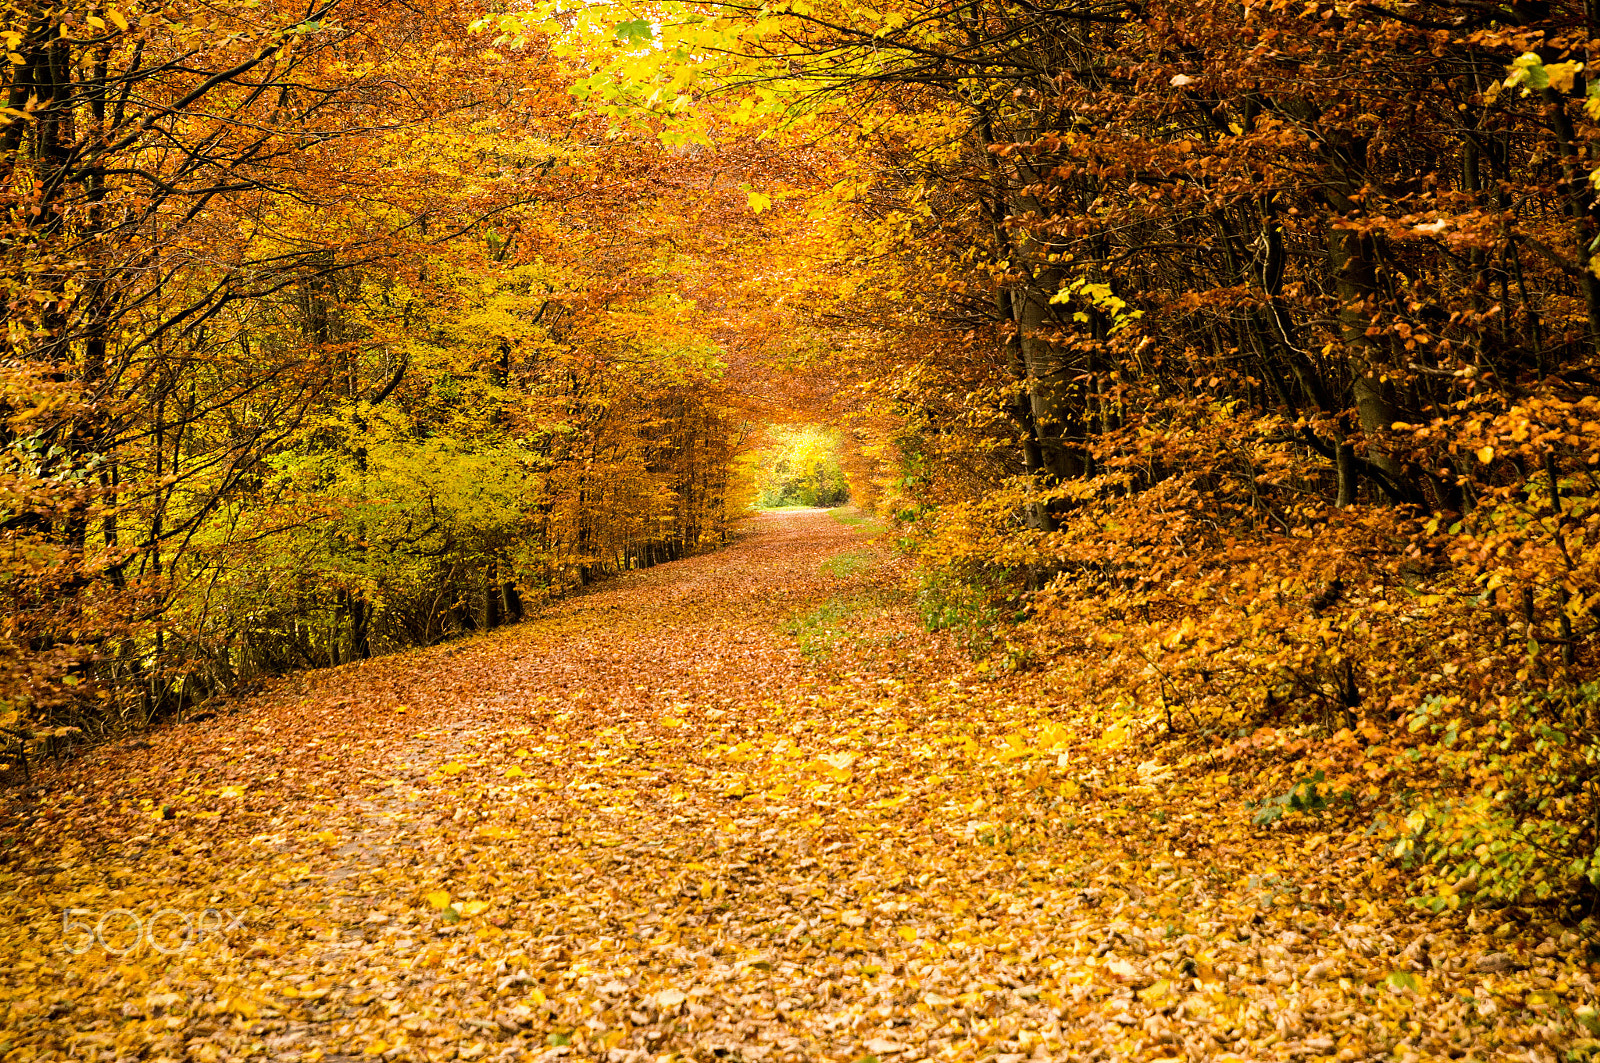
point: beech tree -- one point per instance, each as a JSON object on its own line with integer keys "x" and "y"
{"x": 321, "y": 345}
{"x": 1256, "y": 344}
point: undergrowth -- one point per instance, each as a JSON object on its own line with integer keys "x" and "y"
{"x": 973, "y": 610}
{"x": 821, "y": 629}
{"x": 851, "y": 517}
{"x": 848, "y": 564}
{"x": 1434, "y": 705}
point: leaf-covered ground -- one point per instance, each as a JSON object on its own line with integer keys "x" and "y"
{"x": 737, "y": 807}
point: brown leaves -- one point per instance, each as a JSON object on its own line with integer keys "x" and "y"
{"x": 975, "y": 872}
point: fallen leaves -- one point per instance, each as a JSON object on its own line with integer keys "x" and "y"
{"x": 819, "y": 858}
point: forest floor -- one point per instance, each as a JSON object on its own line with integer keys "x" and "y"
{"x": 740, "y": 807}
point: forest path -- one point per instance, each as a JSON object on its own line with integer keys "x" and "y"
{"x": 736, "y": 807}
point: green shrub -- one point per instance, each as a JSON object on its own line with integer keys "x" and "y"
{"x": 1515, "y": 814}
{"x": 970, "y": 609}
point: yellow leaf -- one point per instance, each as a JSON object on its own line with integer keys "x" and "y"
{"x": 452, "y": 768}
{"x": 1562, "y": 75}
{"x": 326, "y": 837}
{"x": 117, "y": 19}
{"x": 473, "y": 907}
{"x": 1155, "y": 992}
{"x": 377, "y": 1048}
{"x": 231, "y": 791}
{"x": 515, "y": 772}
{"x": 1486, "y": 455}
{"x": 438, "y": 898}
{"x": 907, "y": 933}
{"x": 822, "y": 767}
{"x": 759, "y": 202}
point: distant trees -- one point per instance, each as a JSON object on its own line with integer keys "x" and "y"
{"x": 319, "y": 342}
{"x": 801, "y": 467}
{"x": 1347, "y": 217}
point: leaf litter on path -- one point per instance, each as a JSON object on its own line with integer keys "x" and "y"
{"x": 646, "y": 825}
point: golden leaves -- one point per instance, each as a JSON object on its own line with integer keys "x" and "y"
{"x": 890, "y": 873}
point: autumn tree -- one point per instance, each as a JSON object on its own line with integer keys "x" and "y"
{"x": 1228, "y": 337}
{"x": 322, "y": 344}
